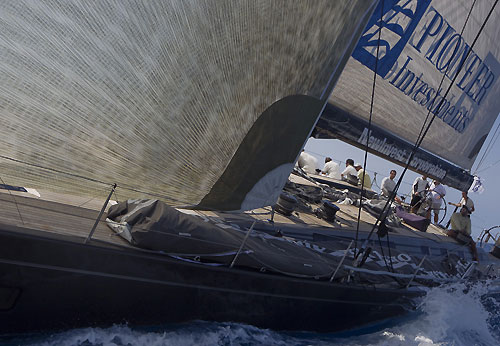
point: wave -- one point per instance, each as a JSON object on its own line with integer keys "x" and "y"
{"x": 458, "y": 315}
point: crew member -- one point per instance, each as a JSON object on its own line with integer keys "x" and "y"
{"x": 460, "y": 223}
{"x": 307, "y": 162}
{"x": 437, "y": 193}
{"x": 331, "y": 169}
{"x": 349, "y": 173}
{"x": 388, "y": 184}
{"x": 364, "y": 178}
{"x": 420, "y": 185}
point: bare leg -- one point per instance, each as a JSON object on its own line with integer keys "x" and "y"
{"x": 452, "y": 233}
{"x": 436, "y": 218}
{"x": 414, "y": 208}
{"x": 474, "y": 251}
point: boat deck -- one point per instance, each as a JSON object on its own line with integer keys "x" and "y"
{"x": 56, "y": 213}
{"x": 75, "y": 216}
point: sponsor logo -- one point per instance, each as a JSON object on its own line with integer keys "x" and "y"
{"x": 413, "y": 30}
{"x": 392, "y": 150}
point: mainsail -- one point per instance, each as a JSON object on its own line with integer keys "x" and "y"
{"x": 422, "y": 41}
{"x": 158, "y": 96}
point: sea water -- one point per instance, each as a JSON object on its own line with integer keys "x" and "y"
{"x": 452, "y": 315}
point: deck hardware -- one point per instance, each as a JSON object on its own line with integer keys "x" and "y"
{"x": 100, "y": 215}
{"x": 341, "y": 261}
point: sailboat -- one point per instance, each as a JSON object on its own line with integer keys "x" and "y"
{"x": 160, "y": 137}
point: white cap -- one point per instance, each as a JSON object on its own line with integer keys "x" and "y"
{"x": 358, "y": 164}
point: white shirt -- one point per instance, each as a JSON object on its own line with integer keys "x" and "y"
{"x": 388, "y": 185}
{"x": 421, "y": 185}
{"x": 350, "y": 170}
{"x": 469, "y": 204}
{"x": 332, "y": 170}
{"x": 437, "y": 190}
{"x": 307, "y": 162}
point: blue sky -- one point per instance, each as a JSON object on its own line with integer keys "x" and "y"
{"x": 487, "y": 204}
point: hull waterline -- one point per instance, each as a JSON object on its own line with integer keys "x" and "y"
{"x": 58, "y": 283}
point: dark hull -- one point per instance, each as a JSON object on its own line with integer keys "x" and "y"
{"x": 58, "y": 282}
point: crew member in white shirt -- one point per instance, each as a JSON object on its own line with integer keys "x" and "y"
{"x": 331, "y": 169}
{"x": 307, "y": 162}
{"x": 349, "y": 173}
{"x": 437, "y": 193}
{"x": 388, "y": 184}
{"x": 420, "y": 185}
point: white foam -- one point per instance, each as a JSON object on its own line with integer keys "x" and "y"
{"x": 453, "y": 315}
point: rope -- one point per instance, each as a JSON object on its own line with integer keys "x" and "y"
{"x": 369, "y": 128}
{"x": 490, "y": 166}
{"x": 422, "y": 133}
{"x": 124, "y": 187}
{"x": 486, "y": 152}
{"x": 375, "y": 173}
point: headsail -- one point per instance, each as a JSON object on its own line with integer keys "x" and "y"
{"x": 159, "y": 95}
{"x": 421, "y": 40}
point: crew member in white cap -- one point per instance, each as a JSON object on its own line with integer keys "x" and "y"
{"x": 364, "y": 178}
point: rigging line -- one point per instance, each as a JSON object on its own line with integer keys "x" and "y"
{"x": 447, "y": 68}
{"x": 490, "y": 166}
{"x": 329, "y": 85}
{"x": 389, "y": 250}
{"x": 486, "y": 151}
{"x": 489, "y": 147}
{"x": 369, "y": 128}
{"x": 85, "y": 202}
{"x": 340, "y": 162}
{"x": 116, "y": 196}
{"x": 391, "y": 268}
{"x": 55, "y": 170}
{"x": 384, "y": 212}
{"x": 15, "y": 202}
{"x": 125, "y": 187}
{"x": 322, "y": 155}
{"x": 129, "y": 188}
{"x": 383, "y": 254}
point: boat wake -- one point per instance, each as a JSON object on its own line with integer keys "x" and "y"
{"x": 452, "y": 315}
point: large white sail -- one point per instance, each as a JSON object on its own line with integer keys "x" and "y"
{"x": 158, "y": 96}
{"x": 422, "y": 40}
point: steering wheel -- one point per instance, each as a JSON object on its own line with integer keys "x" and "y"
{"x": 486, "y": 233}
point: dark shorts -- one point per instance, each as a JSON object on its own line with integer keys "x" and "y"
{"x": 462, "y": 237}
{"x": 415, "y": 199}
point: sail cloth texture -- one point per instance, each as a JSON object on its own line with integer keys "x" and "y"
{"x": 421, "y": 41}
{"x": 157, "y": 96}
